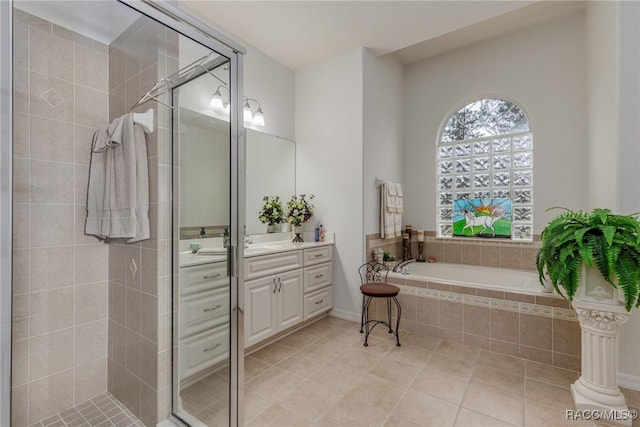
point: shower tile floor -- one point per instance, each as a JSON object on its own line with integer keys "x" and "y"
{"x": 322, "y": 375}
{"x": 101, "y": 411}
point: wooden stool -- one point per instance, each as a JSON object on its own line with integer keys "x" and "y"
{"x": 371, "y": 274}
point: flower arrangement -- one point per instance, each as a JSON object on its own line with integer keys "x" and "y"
{"x": 271, "y": 212}
{"x": 300, "y": 209}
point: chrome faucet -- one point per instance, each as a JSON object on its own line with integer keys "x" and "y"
{"x": 247, "y": 241}
{"x": 403, "y": 266}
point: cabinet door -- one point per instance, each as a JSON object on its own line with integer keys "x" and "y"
{"x": 260, "y": 309}
{"x": 289, "y": 299}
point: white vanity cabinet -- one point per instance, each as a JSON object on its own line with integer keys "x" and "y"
{"x": 273, "y": 302}
{"x": 203, "y": 318}
{"x": 283, "y": 289}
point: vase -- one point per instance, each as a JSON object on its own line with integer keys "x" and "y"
{"x": 297, "y": 234}
{"x": 273, "y": 228}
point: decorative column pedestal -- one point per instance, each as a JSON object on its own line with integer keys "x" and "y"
{"x": 597, "y": 388}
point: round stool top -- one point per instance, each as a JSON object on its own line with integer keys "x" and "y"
{"x": 380, "y": 290}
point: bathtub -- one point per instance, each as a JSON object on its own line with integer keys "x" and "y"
{"x": 499, "y": 279}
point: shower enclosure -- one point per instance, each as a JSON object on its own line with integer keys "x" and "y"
{"x": 94, "y": 333}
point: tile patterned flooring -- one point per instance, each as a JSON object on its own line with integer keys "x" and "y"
{"x": 101, "y": 411}
{"x": 322, "y": 375}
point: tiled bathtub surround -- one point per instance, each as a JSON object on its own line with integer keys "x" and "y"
{"x": 60, "y": 289}
{"x": 539, "y": 328}
{"x": 486, "y": 252}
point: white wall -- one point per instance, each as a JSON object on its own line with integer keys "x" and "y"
{"x": 382, "y": 131}
{"x": 329, "y": 162}
{"x": 542, "y": 68}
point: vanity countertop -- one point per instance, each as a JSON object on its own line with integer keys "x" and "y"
{"x": 188, "y": 259}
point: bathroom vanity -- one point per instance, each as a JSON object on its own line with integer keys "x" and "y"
{"x": 285, "y": 288}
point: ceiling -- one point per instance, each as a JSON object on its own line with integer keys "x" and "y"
{"x": 300, "y": 33}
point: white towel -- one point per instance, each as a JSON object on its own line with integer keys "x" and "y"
{"x": 391, "y": 197}
{"x": 399, "y": 198}
{"x": 118, "y": 192}
{"x": 390, "y": 222}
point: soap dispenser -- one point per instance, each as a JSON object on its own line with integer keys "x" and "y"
{"x": 203, "y": 233}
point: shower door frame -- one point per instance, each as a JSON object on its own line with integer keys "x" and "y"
{"x": 172, "y": 17}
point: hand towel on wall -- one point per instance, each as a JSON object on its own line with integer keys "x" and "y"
{"x": 399, "y": 198}
{"x": 390, "y": 220}
{"x": 118, "y": 194}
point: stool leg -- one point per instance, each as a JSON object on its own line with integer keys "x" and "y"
{"x": 366, "y": 321}
{"x": 389, "y": 314}
{"x": 362, "y": 315}
{"x": 397, "y": 321}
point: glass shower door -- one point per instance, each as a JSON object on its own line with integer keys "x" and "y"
{"x": 202, "y": 310}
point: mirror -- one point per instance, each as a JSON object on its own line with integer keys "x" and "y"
{"x": 270, "y": 165}
{"x": 271, "y": 171}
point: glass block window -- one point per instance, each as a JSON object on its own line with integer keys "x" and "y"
{"x": 486, "y": 151}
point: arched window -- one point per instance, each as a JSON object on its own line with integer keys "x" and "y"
{"x": 485, "y": 172}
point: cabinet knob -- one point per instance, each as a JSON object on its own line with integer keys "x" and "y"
{"x": 213, "y": 347}
{"x": 318, "y": 255}
{"x": 319, "y": 276}
{"x": 319, "y": 302}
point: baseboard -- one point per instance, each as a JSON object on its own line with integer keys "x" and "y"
{"x": 345, "y": 315}
{"x": 632, "y": 382}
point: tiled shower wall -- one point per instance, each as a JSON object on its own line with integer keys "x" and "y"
{"x": 139, "y": 286}
{"x": 60, "y": 275}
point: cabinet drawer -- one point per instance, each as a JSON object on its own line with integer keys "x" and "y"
{"x": 271, "y": 264}
{"x": 318, "y": 302}
{"x": 203, "y": 350}
{"x": 318, "y": 255}
{"x": 203, "y": 311}
{"x": 203, "y": 278}
{"x": 318, "y": 276}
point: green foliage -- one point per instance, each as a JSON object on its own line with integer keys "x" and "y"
{"x": 610, "y": 243}
{"x": 271, "y": 212}
{"x": 386, "y": 256}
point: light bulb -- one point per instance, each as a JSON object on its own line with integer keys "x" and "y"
{"x": 258, "y": 118}
{"x": 216, "y": 100}
{"x": 248, "y": 117}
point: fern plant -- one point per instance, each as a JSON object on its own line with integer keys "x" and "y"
{"x": 610, "y": 243}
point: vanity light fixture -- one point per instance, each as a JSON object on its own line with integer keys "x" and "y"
{"x": 217, "y": 102}
{"x": 257, "y": 118}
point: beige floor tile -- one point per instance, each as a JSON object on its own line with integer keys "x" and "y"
{"x": 458, "y": 351}
{"x": 310, "y": 399}
{"x": 439, "y": 385}
{"x": 299, "y": 339}
{"x": 340, "y": 379}
{"x": 510, "y": 364}
{"x": 632, "y": 397}
{"x": 394, "y": 421}
{"x": 353, "y": 413}
{"x": 448, "y": 366}
{"x": 319, "y": 329}
{"x": 359, "y": 358}
{"x": 548, "y": 394}
{"x": 274, "y": 383}
{"x": 409, "y": 355}
{"x": 302, "y": 364}
{"x": 509, "y": 383}
{"x": 538, "y": 414}
{"x": 491, "y": 401}
{"x": 550, "y": 374}
{"x": 254, "y": 367}
{"x": 381, "y": 393}
{"x": 424, "y": 410}
{"x": 278, "y": 416}
{"x": 423, "y": 342}
{"x": 274, "y": 353}
{"x": 326, "y": 350}
{"x": 254, "y": 404}
{"x": 469, "y": 418}
{"x": 397, "y": 372}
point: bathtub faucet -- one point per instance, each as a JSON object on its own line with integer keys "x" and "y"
{"x": 401, "y": 267}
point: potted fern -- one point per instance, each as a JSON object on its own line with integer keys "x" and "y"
{"x": 574, "y": 242}
{"x": 593, "y": 260}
